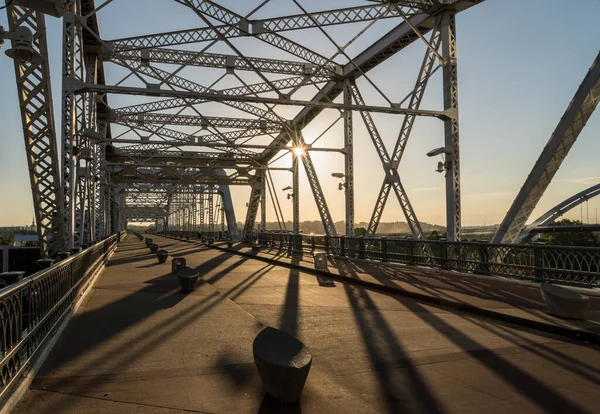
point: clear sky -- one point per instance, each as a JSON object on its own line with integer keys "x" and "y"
{"x": 520, "y": 63}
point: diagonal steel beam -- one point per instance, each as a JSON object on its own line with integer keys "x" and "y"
{"x": 556, "y": 150}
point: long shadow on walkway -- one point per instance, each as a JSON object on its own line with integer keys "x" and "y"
{"x": 118, "y": 316}
{"x": 540, "y": 394}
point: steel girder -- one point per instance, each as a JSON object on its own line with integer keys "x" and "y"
{"x": 392, "y": 178}
{"x": 39, "y": 131}
{"x": 564, "y": 136}
{"x": 222, "y": 61}
{"x": 200, "y": 121}
{"x": 255, "y": 190}
{"x": 349, "y": 162}
{"x": 451, "y": 136}
{"x": 392, "y": 163}
{"x": 82, "y": 87}
{"x": 238, "y": 26}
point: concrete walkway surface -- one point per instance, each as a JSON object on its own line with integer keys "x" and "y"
{"x": 509, "y": 299}
{"x": 140, "y": 345}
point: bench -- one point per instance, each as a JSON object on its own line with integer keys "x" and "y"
{"x": 563, "y": 302}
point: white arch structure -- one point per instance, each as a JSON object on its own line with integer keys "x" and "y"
{"x": 560, "y": 209}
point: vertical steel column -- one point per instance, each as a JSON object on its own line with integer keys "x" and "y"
{"x": 101, "y": 182}
{"x": 39, "y": 132}
{"x": 211, "y": 211}
{"x": 222, "y": 213}
{"x": 194, "y": 213}
{"x": 202, "y": 229}
{"x": 248, "y": 235}
{"x": 295, "y": 194}
{"x": 263, "y": 206}
{"x": 92, "y": 122}
{"x": 349, "y": 158}
{"x": 451, "y": 131}
{"x": 73, "y": 109}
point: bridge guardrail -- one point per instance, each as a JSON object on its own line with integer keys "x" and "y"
{"x": 31, "y": 308}
{"x": 578, "y": 266}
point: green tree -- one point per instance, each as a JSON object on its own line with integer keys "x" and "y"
{"x": 360, "y": 232}
{"x": 434, "y": 235}
{"x": 579, "y": 238}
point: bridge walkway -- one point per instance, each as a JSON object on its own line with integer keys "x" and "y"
{"x": 139, "y": 345}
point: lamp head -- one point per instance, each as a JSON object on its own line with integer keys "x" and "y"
{"x": 438, "y": 151}
{"x": 22, "y": 46}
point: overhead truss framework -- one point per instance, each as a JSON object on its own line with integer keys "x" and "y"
{"x": 219, "y": 105}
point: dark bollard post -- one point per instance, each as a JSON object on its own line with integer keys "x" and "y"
{"x": 44, "y": 263}
{"x": 11, "y": 277}
{"x": 62, "y": 256}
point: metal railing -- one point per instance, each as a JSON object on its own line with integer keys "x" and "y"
{"x": 217, "y": 235}
{"x": 31, "y": 308}
{"x": 579, "y": 266}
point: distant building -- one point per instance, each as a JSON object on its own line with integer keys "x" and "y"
{"x": 22, "y": 240}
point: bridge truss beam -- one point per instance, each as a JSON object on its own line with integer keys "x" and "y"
{"x": 556, "y": 150}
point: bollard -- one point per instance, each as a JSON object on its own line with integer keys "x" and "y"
{"x": 177, "y": 263}
{"x": 44, "y": 263}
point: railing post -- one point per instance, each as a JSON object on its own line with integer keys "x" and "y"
{"x": 298, "y": 242}
{"x": 326, "y": 243}
{"x": 538, "y": 263}
{"x": 444, "y": 255}
{"x": 484, "y": 259}
{"x": 361, "y": 248}
{"x": 312, "y": 244}
{"x": 342, "y": 246}
{"x": 384, "y": 249}
{"x": 411, "y": 252}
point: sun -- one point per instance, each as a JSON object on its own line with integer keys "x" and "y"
{"x": 299, "y": 151}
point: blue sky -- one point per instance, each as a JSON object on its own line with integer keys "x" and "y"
{"x": 520, "y": 62}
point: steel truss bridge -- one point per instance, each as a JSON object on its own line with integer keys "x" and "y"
{"x": 165, "y": 159}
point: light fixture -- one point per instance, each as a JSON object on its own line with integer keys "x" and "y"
{"x": 22, "y": 45}
{"x": 441, "y": 167}
{"x": 438, "y": 151}
{"x": 341, "y": 176}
